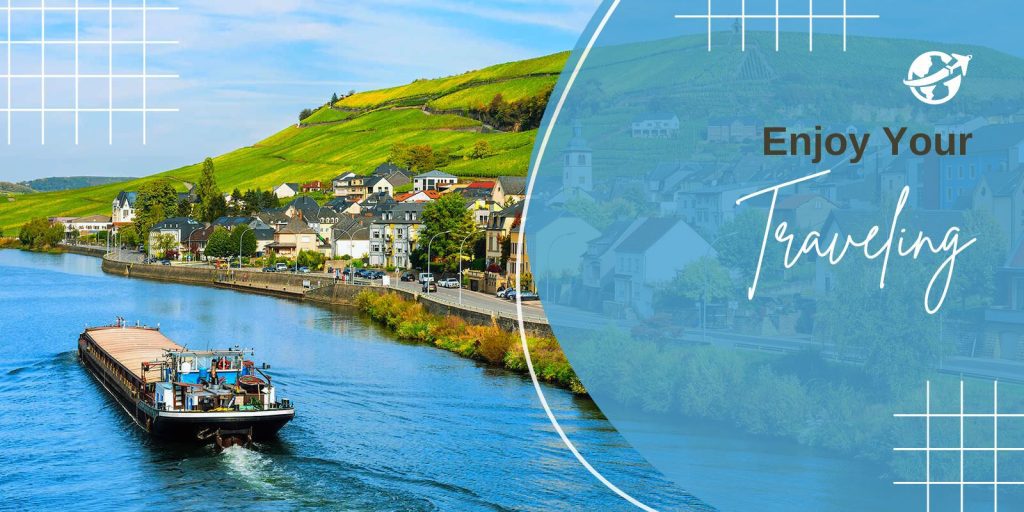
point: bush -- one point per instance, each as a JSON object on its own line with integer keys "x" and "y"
{"x": 40, "y": 234}
{"x": 488, "y": 343}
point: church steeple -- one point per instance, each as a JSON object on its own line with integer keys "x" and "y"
{"x": 577, "y": 162}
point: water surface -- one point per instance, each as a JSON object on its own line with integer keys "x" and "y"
{"x": 381, "y": 424}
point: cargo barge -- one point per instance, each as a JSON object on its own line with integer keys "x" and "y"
{"x": 179, "y": 394}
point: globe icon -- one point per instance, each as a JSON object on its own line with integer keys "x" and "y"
{"x": 935, "y": 77}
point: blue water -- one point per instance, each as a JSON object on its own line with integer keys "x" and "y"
{"x": 381, "y": 424}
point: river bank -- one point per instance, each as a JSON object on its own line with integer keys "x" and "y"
{"x": 409, "y": 320}
{"x": 476, "y": 335}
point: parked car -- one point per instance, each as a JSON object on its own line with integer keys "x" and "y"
{"x": 377, "y": 274}
{"x": 269, "y": 269}
{"x": 166, "y": 263}
{"x": 450, "y": 282}
{"x": 510, "y": 294}
{"x": 282, "y": 267}
{"x": 408, "y": 277}
{"x": 429, "y": 287}
{"x": 426, "y": 277}
{"x": 304, "y": 270}
{"x": 528, "y": 296}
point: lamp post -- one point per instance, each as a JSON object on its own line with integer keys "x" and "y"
{"x": 351, "y": 231}
{"x": 241, "y": 239}
{"x": 428, "y": 253}
{"x": 461, "y": 244}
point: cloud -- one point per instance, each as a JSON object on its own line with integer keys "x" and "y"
{"x": 248, "y": 66}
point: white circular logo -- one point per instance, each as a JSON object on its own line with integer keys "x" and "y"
{"x": 935, "y": 77}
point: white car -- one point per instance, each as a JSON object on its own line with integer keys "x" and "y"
{"x": 450, "y": 282}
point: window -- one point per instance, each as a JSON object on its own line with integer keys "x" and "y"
{"x": 960, "y": 172}
{"x": 971, "y": 171}
{"x": 582, "y": 160}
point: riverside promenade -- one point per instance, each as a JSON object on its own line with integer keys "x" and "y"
{"x": 474, "y": 307}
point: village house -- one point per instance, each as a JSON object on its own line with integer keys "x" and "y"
{"x": 340, "y": 183}
{"x": 286, "y": 190}
{"x": 313, "y": 186}
{"x": 736, "y": 129}
{"x": 343, "y": 205}
{"x": 803, "y": 211}
{"x": 660, "y": 125}
{"x": 179, "y": 228}
{"x": 509, "y": 189}
{"x": 90, "y": 225}
{"x": 1000, "y": 196}
{"x": 294, "y": 238}
{"x": 652, "y": 254}
{"x": 433, "y": 180}
{"x": 352, "y": 236}
{"x": 423, "y": 196}
{"x": 499, "y": 225}
{"x": 123, "y": 211}
{"x": 994, "y": 148}
{"x": 394, "y": 232}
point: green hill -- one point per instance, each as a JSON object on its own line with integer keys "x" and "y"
{"x": 354, "y": 135}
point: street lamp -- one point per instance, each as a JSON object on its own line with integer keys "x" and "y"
{"x": 461, "y": 244}
{"x": 351, "y": 231}
{"x": 428, "y": 252}
{"x": 241, "y": 239}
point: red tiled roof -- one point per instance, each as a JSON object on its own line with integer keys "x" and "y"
{"x": 482, "y": 184}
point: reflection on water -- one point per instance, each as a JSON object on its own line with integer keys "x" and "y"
{"x": 381, "y": 425}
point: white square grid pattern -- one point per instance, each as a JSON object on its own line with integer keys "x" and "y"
{"x": 78, "y": 57}
{"x": 931, "y": 451}
{"x": 810, "y": 13}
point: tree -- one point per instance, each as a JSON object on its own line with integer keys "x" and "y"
{"x": 211, "y": 199}
{"x": 312, "y": 259}
{"x": 40, "y": 234}
{"x": 334, "y": 99}
{"x": 305, "y": 114}
{"x": 154, "y": 201}
{"x": 420, "y": 158}
{"x": 974, "y": 283}
{"x": 702, "y": 281}
{"x": 482, "y": 149}
{"x": 219, "y": 244}
{"x": 447, "y": 214}
{"x": 243, "y": 238}
{"x": 166, "y": 243}
{"x": 128, "y": 236}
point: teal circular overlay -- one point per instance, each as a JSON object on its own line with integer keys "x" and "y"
{"x": 780, "y": 243}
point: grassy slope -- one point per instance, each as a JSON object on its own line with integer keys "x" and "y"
{"x": 356, "y": 140}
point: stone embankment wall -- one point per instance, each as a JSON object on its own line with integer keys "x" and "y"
{"x": 314, "y": 289}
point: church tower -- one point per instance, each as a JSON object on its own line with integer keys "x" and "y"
{"x": 577, "y": 163}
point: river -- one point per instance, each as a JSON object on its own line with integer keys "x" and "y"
{"x": 381, "y": 424}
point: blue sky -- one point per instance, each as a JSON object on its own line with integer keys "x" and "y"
{"x": 246, "y": 68}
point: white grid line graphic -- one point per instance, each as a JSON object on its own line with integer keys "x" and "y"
{"x": 995, "y": 415}
{"x": 777, "y": 16}
{"x": 15, "y": 101}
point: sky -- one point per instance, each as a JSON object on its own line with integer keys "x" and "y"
{"x": 245, "y": 69}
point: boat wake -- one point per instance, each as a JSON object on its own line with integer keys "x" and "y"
{"x": 256, "y": 471}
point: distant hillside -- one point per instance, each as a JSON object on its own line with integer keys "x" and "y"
{"x": 356, "y": 134}
{"x": 15, "y": 188}
{"x": 69, "y": 183}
